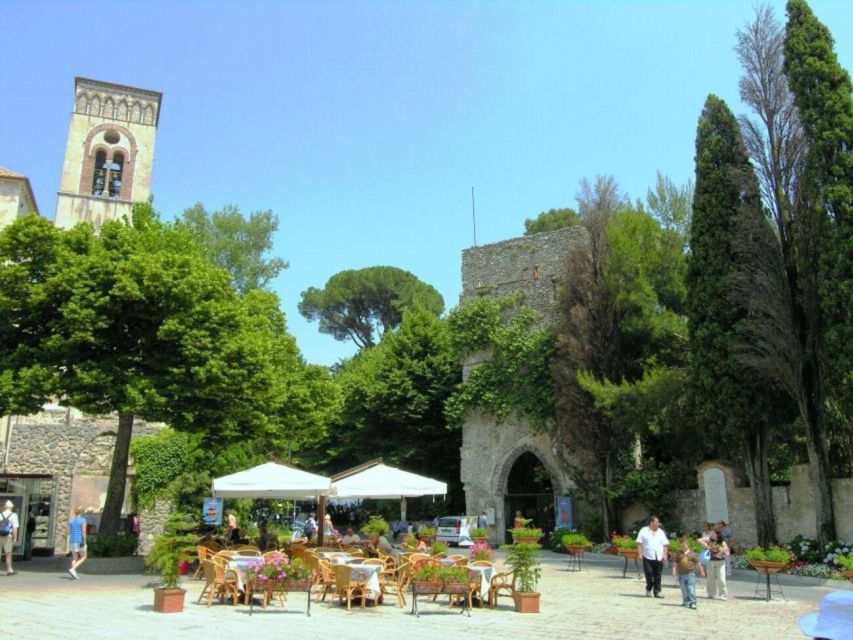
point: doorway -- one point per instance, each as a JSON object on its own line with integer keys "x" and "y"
{"x": 529, "y": 489}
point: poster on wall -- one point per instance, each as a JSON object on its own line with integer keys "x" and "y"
{"x": 211, "y": 512}
{"x": 564, "y": 512}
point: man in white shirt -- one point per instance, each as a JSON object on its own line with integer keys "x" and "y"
{"x": 655, "y": 547}
{"x": 9, "y": 527}
{"x": 350, "y": 537}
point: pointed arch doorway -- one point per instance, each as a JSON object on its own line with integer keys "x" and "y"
{"x": 529, "y": 490}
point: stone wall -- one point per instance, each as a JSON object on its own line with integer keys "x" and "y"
{"x": 793, "y": 507}
{"x": 151, "y": 523}
{"x": 64, "y": 444}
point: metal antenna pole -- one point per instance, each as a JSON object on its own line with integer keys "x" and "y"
{"x": 474, "y": 215}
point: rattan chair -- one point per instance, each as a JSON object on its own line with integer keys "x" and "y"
{"x": 219, "y": 581}
{"x": 396, "y": 581}
{"x": 347, "y": 586}
{"x": 501, "y": 584}
{"x": 324, "y": 581}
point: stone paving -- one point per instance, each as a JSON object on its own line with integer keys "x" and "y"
{"x": 41, "y": 603}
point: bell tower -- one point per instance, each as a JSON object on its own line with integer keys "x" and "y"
{"x": 110, "y": 152}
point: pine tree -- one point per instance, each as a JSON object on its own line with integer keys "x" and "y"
{"x": 730, "y": 403}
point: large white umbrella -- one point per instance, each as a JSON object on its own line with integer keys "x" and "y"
{"x": 272, "y": 480}
{"x": 383, "y": 482}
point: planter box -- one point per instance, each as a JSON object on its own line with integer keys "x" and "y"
{"x": 630, "y": 554}
{"x": 426, "y": 587}
{"x": 577, "y": 549}
{"x": 769, "y": 568}
{"x": 526, "y": 602}
{"x": 169, "y": 600}
{"x": 298, "y": 585}
{"x": 455, "y": 587}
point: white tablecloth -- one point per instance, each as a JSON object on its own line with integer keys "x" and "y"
{"x": 328, "y": 555}
{"x": 371, "y": 572}
{"x": 486, "y": 574}
{"x": 240, "y": 565}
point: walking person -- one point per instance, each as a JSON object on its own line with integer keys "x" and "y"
{"x": 655, "y": 548}
{"x": 77, "y": 541}
{"x": 9, "y": 527}
{"x": 716, "y": 582}
{"x": 684, "y": 567}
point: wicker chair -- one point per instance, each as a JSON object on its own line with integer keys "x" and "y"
{"x": 348, "y": 586}
{"x": 203, "y": 553}
{"x": 324, "y": 581}
{"x": 218, "y": 581}
{"x": 396, "y": 581}
{"x": 502, "y": 584}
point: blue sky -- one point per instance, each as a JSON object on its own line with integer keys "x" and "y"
{"x": 364, "y": 125}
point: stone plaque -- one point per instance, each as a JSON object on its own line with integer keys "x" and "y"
{"x": 716, "y": 501}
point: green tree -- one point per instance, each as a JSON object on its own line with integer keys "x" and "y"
{"x": 824, "y": 250}
{"x": 672, "y": 205}
{"x": 140, "y": 324}
{"x": 360, "y": 304}
{"x": 393, "y": 398}
{"x": 551, "y": 220}
{"x": 728, "y": 401}
{"x": 236, "y": 243}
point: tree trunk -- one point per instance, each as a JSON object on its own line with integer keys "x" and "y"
{"x": 111, "y": 516}
{"x": 758, "y": 470}
{"x": 812, "y": 414}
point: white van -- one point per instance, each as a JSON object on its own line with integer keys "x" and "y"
{"x": 454, "y": 530}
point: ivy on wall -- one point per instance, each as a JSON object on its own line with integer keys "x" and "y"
{"x": 516, "y": 379}
{"x": 158, "y": 460}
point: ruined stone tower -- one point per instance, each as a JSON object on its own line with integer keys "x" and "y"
{"x": 110, "y": 152}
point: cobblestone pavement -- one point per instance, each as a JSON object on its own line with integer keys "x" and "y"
{"x": 597, "y": 603}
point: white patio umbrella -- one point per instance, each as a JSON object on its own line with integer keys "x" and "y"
{"x": 272, "y": 480}
{"x": 379, "y": 481}
{"x": 383, "y": 482}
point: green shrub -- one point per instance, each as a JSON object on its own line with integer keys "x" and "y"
{"x": 428, "y": 531}
{"x": 523, "y": 560}
{"x": 770, "y": 554}
{"x": 113, "y": 547}
{"x": 575, "y": 539}
{"x": 438, "y": 573}
{"x": 437, "y": 548}
{"x": 624, "y": 542}
{"x": 479, "y": 533}
{"x": 555, "y": 538}
{"x": 526, "y": 532}
{"x": 377, "y": 525}
{"x": 845, "y": 562}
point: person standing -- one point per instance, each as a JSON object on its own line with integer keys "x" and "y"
{"x": 232, "y": 534}
{"x": 725, "y": 531}
{"x": 686, "y": 562}
{"x": 77, "y": 541}
{"x": 716, "y": 582}
{"x": 9, "y": 527}
{"x": 655, "y": 548}
{"x": 482, "y": 521}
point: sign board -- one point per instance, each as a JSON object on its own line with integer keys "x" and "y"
{"x": 211, "y": 512}
{"x": 563, "y": 512}
{"x": 716, "y": 500}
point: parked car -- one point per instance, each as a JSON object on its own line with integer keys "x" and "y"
{"x": 454, "y": 530}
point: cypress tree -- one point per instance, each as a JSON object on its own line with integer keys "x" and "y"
{"x": 823, "y": 247}
{"x": 731, "y": 404}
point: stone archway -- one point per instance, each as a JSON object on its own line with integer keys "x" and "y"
{"x": 527, "y": 481}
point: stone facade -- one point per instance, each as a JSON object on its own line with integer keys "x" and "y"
{"x": 533, "y": 266}
{"x": 16, "y": 197}
{"x": 111, "y": 133}
{"x": 69, "y": 449}
{"x": 793, "y": 506}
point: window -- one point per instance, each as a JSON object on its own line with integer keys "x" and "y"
{"x": 116, "y": 169}
{"x": 99, "y": 179}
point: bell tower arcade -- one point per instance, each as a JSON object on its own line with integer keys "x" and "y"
{"x": 110, "y": 152}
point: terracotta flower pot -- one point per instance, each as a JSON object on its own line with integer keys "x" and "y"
{"x": 297, "y": 585}
{"x": 631, "y": 554}
{"x": 526, "y": 602}
{"x": 577, "y": 549}
{"x": 526, "y": 540}
{"x": 169, "y": 600}
{"x": 848, "y": 574}
{"x": 425, "y": 539}
{"x": 480, "y": 539}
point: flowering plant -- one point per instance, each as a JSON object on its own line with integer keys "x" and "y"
{"x": 482, "y": 551}
{"x": 268, "y": 570}
{"x": 623, "y": 542}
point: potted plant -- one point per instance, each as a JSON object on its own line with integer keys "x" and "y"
{"x": 526, "y": 535}
{"x": 479, "y": 535}
{"x": 427, "y": 579}
{"x": 297, "y": 576}
{"x": 426, "y": 535}
{"x": 771, "y": 560}
{"x": 626, "y": 547}
{"x": 176, "y": 544}
{"x": 411, "y": 540}
{"x": 576, "y": 543}
{"x": 437, "y": 548}
{"x": 525, "y": 565}
{"x": 481, "y": 551}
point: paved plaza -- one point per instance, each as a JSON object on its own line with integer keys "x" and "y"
{"x": 41, "y": 603}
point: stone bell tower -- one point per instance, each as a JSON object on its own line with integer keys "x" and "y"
{"x": 110, "y": 152}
